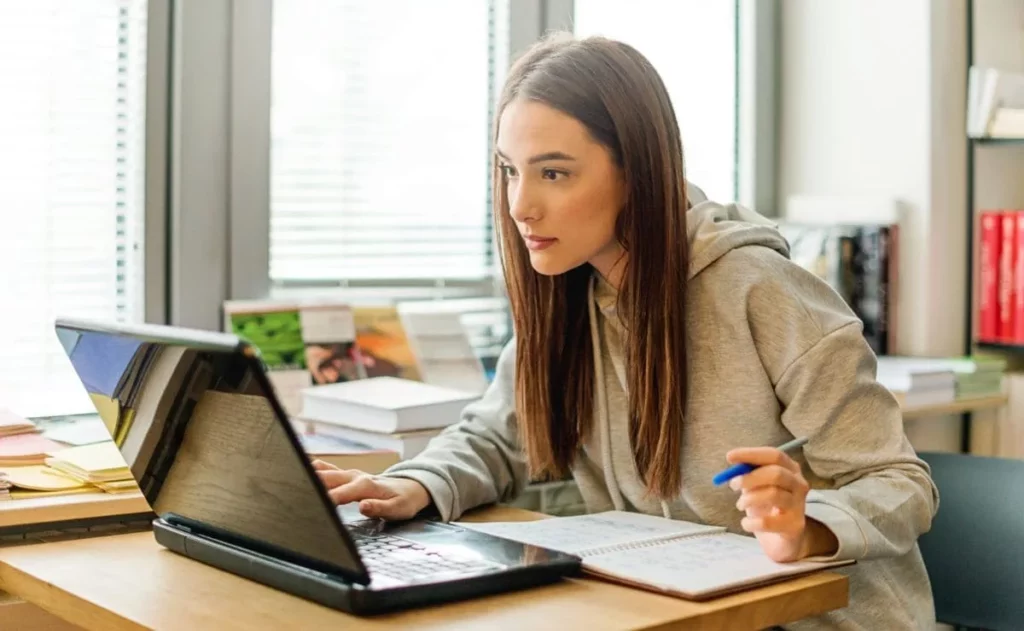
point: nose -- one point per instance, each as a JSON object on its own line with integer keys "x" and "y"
{"x": 521, "y": 203}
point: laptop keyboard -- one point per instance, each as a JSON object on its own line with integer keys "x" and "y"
{"x": 406, "y": 561}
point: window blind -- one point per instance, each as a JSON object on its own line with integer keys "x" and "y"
{"x": 380, "y": 147}
{"x": 71, "y": 185}
{"x": 692, "y": 44}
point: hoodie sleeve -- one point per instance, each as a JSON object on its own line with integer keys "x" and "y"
{"x": 479, "y": 459}
{"x": 878, "y": 495}
{"x": 883, "y": 496}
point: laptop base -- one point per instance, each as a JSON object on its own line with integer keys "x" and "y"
{"x": 337, "y": 593}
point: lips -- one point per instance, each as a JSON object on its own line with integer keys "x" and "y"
{"x": 535, "y": 243}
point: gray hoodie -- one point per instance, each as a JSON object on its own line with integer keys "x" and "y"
{"x": 774, "y": 353}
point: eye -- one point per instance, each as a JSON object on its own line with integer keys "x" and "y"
{"x": 507, "y": 170}
{"x": 552, "y": 174}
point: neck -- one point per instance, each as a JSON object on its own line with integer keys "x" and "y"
{"x": 610, "y": 263}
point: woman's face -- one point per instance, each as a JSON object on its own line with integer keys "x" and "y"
{"x": 564, "y": 190}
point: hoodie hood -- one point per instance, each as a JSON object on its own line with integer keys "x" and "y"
{"x": 715, "y": 229}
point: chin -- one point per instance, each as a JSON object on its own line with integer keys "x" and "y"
{"x": 550, "y": 265}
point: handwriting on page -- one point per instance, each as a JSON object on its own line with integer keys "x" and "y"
{"x": 576, "y": 535}
{"x": 694, "y": 565}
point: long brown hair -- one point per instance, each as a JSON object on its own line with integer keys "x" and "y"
{"x": 618, "y": 96}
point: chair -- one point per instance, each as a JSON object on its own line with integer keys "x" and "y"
{"x": 974, "y": 551}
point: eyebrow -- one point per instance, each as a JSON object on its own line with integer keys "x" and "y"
{"x": 540, "y": 157}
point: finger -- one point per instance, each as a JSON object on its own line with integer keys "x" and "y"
{"x": 362, "y": 488}
{"x": 320, "y": 465}
{"x": 335, "y": 478}
{"x": 393, "y": 508}
{"x": 783, "y": 524}
{"x": 771, "y": 475}
{"x": 767, "y": 497}
{"x": 759, "y": 511}
{"x": 762, "y": 456}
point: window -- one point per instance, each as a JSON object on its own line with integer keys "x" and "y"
{"x": 380, "y": 140}
{"x": 692, "y": 44}
{"x": 71, "y": 186}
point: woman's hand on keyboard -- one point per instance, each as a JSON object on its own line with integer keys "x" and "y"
{"x": 385, "y": 498}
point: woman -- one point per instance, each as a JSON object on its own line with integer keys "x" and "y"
{"x": 657, "y": 334}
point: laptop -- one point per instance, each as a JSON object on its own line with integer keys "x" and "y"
{"x": 197, "y": 422}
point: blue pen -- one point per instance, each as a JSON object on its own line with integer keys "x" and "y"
{"x": 743, "y": 468}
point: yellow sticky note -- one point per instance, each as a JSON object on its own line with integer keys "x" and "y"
{"x": 93, "y": 458}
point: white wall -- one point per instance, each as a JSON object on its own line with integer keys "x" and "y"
{"x": 872, "y": 104}
{"x": 859, "y": 118}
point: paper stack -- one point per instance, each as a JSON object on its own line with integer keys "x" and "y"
{"x": 25, "y": 449}
{"x": 41, "y": 481}
{"x": 971, "y": 377}
{"x": 99, "y": 464}
{"x": 917, "y": 383}
{"x": 5, "y": 487}
{"x": 389, "y": 413}
{"x": 12, "y": 424}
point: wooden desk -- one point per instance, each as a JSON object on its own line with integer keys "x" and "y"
{"x": 123, "y": 582}
{"x": 70, "y": 507}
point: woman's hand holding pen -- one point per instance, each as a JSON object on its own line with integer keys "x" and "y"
{"x": 385, "y": 498}
{"x": 774, "y": 497}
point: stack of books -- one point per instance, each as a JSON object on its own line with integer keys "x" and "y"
{"x": 388, "y": 413}
{"x": 915, "y": 384}
{"x": 1000, "y": 300}
{"x": 347, "y": 454}
{"x": 936, "y": 380}
{"x": 859, "y": 261}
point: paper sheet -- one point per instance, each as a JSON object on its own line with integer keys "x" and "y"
{"x": 698, "y": 565}
{"x": 583, "y": 533}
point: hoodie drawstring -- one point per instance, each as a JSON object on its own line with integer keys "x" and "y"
{"x": 602, "y": 410}
{"x": 604, "y": 426}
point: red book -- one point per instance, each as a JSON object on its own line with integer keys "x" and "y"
{"x": 988, "y": 272}
{"x": 1007, "y": 263}
{"x": 1018, "y": 280}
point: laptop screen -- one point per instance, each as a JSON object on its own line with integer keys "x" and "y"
{"x": 195, "y": 423}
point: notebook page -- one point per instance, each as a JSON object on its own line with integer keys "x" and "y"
{"x": 697, "y": 566}
{"x": 579, "y": 534}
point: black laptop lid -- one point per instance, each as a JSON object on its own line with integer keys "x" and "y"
{"x": 196, "y": 420}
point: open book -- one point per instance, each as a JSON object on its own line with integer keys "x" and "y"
{"x": 679, "y": 558}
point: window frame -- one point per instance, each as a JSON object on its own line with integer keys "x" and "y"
{"x": 156, "y": 201}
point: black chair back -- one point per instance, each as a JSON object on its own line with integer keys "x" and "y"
{"x": 974, "y": 551}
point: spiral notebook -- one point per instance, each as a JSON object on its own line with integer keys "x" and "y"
{"x": 679, "y": 558}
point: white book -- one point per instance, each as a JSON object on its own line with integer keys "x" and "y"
{"x": 385, "y": 404}
{"x": 405, "y": 444}
{"x": 674, "y": 557}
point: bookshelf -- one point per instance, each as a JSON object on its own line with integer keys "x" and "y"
{"x": 996, "y": 141}
{"x": 986, "y": 31}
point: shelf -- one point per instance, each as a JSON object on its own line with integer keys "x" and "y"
{"x": 960, "y": 406}
{"x": 999, "y": 346}
{"x": 997, "y": 141}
